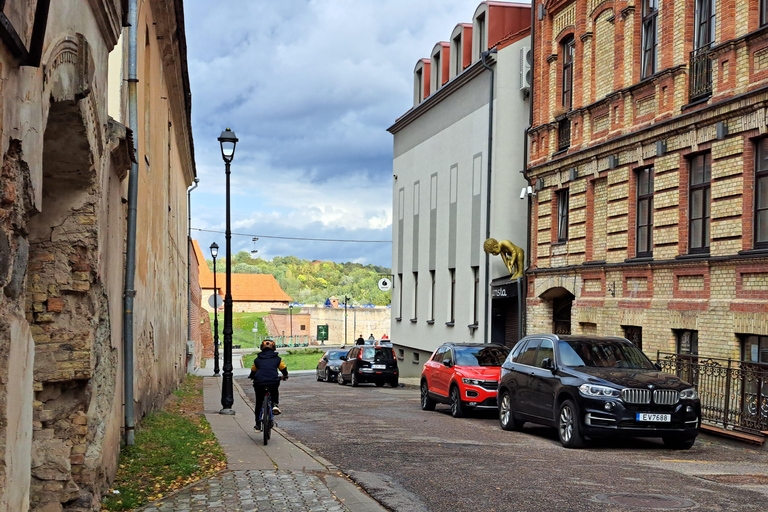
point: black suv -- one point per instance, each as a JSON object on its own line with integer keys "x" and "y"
{"x": 595, "y": 387}
{"x": 367, "y": 363}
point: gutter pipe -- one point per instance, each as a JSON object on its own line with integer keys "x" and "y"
{"x": 189, "y": 259}
{"x": 486, "y": 327}
{"x": 130, "y": 249}
{"x": 522, "y": 288}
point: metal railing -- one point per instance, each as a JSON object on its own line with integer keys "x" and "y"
{"x": 285, "y": 341}
{"x": 700, "y": 70}
{"x": 734, "y": 394}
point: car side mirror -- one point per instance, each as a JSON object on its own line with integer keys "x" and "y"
{"x": 548, "y": 364}
{"x": 343, "y": 358}
{"x": 447, "y": 362}
{"x": 657, "y": 366}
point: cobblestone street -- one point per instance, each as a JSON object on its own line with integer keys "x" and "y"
{"x": 250, "y": 490}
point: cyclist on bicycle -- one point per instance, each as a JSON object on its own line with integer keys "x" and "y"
{"x": 265, "y": 377}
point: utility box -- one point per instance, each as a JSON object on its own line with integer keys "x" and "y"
{"x": 190, "y": 347}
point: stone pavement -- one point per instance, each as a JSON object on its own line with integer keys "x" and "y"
{"x": 282, "y": 476}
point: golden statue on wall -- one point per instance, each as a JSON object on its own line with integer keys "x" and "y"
{"x": 513, "y": 256}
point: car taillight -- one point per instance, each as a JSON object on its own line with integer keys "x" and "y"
{"x": 394, "y": 356}
{"x": 360, "y": 355}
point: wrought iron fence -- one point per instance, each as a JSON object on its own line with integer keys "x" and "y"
{"x": 700, "y": 70}
{"x": 563, "y": 134}
{"x": 734, "y": 394}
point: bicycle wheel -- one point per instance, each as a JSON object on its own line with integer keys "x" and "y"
{"x": 266, "y": 417}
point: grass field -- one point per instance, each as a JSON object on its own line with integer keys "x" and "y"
{"x": 242, "y": 323}
{"x": 294, "y": 358}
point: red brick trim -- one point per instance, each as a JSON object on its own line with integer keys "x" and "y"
{"x": 677, "y": 293}
{"x": 752, "y": 307}
{"x": 647, "y": 274}
{"x": 741, "y": 293}
{"x": 634, "y": 304}
{"x": 687, "y": 305}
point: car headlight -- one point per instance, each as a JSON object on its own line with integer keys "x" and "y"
{"x": 689, "y": 394}
{"x": 334, "y": 368}
{"x": 590, "y": 390}
{"x": 472, "y": 382}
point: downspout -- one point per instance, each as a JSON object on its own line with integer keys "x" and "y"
{"x": 486, "y": 327}
{"x": 130, "y": 248}
{"x": 522, "y": 288}
{"x": 189, "y": 260}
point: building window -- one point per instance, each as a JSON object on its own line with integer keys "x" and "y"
{"x": 755, "y": 349}
{"x": 698, "y": 203}
{"x": 763, "y": 12}
{"x": 415, "y": 296}
{"x": 562, "y": 215}
{"x": 456, "y": 54}
{"x": 761, "y": 194}
{"x": 432, "y": 296}
{"x": 701, "y": 61}
{"x": 650, "y": 37}
{"x": 568, "y": 47}
{"x": 452, "y": 311}
{"x": 436, "y": 66}
{"x": 687, "y": 355}
{"x": 475, "y": 294}
{"x": 400, "y": 297}
{"x": 303, "y": 327}
{"x": 644, "y": 232}
{"x": 480, "y": 25}
{"x": 419, "y": 85}
{"x": 704, "y": 23}
{"x": 634, "y": 334}
{"x": 563, "y": 134}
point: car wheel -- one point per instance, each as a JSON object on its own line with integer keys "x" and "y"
{"x": 457, "y": 407}
{"x": 678, "y": 443}
{"x": 355, "y": 382}
{"x": 427, "y": 404}
{"x": 379, "y": 384}
{"x": 327, "y": 376}
{"x": 340, "y": 378}
{"x": 318, "y": 376}
{"x": 393, "y": 382}
{"x": 507, "y": 413}
{"x": 568, "y": 426}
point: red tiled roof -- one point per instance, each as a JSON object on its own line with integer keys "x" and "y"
{"x": 245, "y": 287}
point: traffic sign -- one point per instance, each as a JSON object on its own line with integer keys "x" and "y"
{"x": 385, "y": 284}
{"x": 322, "y": 332}
{"x": 215, "y": 301}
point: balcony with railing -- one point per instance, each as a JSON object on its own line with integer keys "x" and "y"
{"x": 700, "y": 74}
{"x": 563, "y": 134}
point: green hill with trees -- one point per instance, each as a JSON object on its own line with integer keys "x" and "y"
{"x": 312, "y": 282}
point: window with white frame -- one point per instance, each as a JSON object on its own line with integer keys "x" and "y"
{"x": 650, "y": 37}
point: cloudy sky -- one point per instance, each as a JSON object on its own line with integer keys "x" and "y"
{"x": 309, "y": 87}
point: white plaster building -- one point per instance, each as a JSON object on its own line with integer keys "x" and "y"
{"x": 441, "y": 198}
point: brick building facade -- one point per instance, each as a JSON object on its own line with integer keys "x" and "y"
{"x": 651, "y": 169}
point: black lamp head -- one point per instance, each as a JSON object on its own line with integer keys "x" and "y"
{"x": 214, "y": 250}
{"x": 228, "y": 142}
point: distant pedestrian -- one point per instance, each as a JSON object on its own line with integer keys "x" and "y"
{"x": 371, "y": 338}
{"x": 360, "y": 340}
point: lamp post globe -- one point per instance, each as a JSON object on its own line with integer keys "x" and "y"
{"x": 228, "y": 141}
{"x": 214, "y": 253}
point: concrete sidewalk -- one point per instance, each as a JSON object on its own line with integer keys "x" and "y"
{"x": 284, "y": 475}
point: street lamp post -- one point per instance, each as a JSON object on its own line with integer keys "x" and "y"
{"x": 290, "y": 314}
{"x": 228, "y": 141}
{"x": 214, "y": 253}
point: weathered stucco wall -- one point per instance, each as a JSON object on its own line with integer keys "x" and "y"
{"x": 62, "y": 240}
{"x": 360, "y": 321}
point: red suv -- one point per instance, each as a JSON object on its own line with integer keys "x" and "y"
{"x": 463, "y": 375}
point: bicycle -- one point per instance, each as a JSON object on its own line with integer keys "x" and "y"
{"x": 266, "y": 412}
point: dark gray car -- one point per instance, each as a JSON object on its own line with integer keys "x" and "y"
{"x": 328, "y": 366}
{"x": 595, "y": 387}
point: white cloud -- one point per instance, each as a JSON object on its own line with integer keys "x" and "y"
{"x": 310, "y": 87}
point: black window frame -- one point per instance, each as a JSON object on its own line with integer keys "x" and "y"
{"x": 650, "y": 38}
{"x": 704, "y": 23}
{"x": 563, "y": 205}
{"x": 644, "y": 176}
{"x": 762, "y": 348}
{"x": 568, "y": 47}
{"x": 761, "y": 180}
{"x": 705, "y": 188}
{"x": 763, "y": 13}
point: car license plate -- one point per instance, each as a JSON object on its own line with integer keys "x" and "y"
{"x": 646, "y": 416}
{"x": 378, "y": 366}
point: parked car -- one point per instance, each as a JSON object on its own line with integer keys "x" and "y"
{"x": 463, "y": 375}
{"x": 595, "y": 387}
{"x": 366, "y": 363}
{"x": 328, "y": 366}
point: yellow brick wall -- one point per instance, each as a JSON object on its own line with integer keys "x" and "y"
{"x": 604, "y": 52}
{"x": 600, "y": 225}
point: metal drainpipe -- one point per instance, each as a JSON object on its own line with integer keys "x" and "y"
{"x": 486, "y": 327}
{"x": 522, "y": 288}
{"x": 130, "y": 248}
{"x": 189, "y": 259}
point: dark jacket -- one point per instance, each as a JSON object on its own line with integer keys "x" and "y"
{"x": 265, "y": 367}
